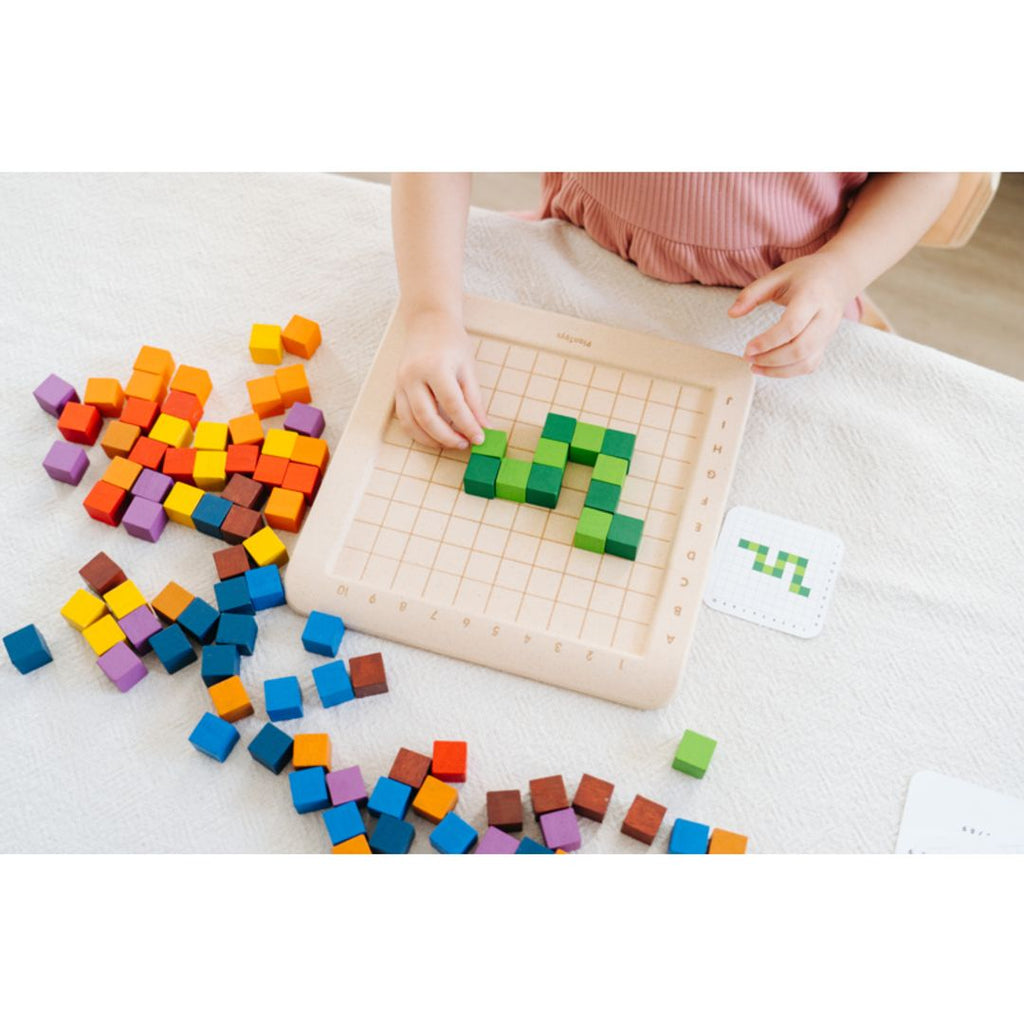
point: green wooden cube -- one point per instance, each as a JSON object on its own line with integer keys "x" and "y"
{"x": 610, "y": 469}
{"x": 693, "y": 755}
{"x": 511, "y": 480}
{"x": 586, "y": 443}
{"x": 543, "y": 485}
{"x": 481, "y": 472}
{"x": 603, "y": 496}
{"x": 551, "y": 453}
{"x": 494, "y": 444}
{"x": 624, "y": 536}
{"x": 558, "y": 428}
{"x": 592, "y": 529}
{"x": 619, "y": 444}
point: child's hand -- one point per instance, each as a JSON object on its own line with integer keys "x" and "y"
{"x": 436, "y": 387}
{"x": 815, "y": 290}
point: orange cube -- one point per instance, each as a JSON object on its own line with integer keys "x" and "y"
{"x": 149, "y": 386}
{"x": 80, "y": 423}
{"x": 183, "y": 405}
{"x": 180, "y": 464}
{"x": 242, "y": 458}
{"x": 148, "y": 453}
{"x": 265, "y": 397}
{"x": 301, "y": 337}
{"x": 726, "y": 842}
{"x": 140, "y": 412}
{"x": 293, "y": 385}
{"x": 285, "y": 509}
{"x": 357, "y": 844}
{"x": 193, "y": 381}
{"x": 301, "y": 478}
{"x": 155, "y": 360}
{"x": 172, "y": 601}
{"x": 270, "y": 470}
{"x": 312, "y": 750}
{"x": 246, "y": 429}
{"x": 105, "y": 502}
{"x": 435, "y": 799}
{"x": 311, "y": 451}
{"x": 230, "y": 700}
{"x": 122, "y": 473}
{"x": 449, "y": 760}
{"x": 119, "y": 438}
{"x": 105, "y": 394}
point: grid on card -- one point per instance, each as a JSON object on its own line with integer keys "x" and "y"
{"x": 418, "y": 534}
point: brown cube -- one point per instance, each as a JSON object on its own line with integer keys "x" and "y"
{"x": 644, "y": 819}
{"x": 548, "y": 794}
{"x": 241, "y": 490}
{"x": 410, "y": 768}
{"x": 102, "y": 573}
{"x": 505, "y": 809}
{"x": 592, "y": 798}
{"x": 240, "y": 524}
{"x": 367, "y": 674}
{"x": 231, "y": 562}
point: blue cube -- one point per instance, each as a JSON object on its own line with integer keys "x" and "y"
{"x": 688, "y": 837}
{"x": 391, "y": 835}
{"x": 239, "y": 630}
{"x": 344, "y": 822}
{"x": 220, "y": 661}
{"x": 265, "y": 587}
{"x": 323, "y": 634}
{"x": 214, "y": 736}
{"x": 200, "y": 619}
{"x": 390, "y": 797}
{"x": 171, "y": 646}
{"x": 283, "y": 698}
{"x": 453, "y": 835}
{"x": 528, "y": 845}
{"x": 333, "y": 684}
{"x": 27, "y": 649}
{"x": 309, "y": 789}
{"x": 272, "y": 748}
{"x": 211, "y": 511}
{"x": 233, "y": 596}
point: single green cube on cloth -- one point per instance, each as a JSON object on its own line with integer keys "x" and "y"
{"x": 592, "y": 529}
{"x": 495, "y": 443}
{"x": 693, "y": 755}
{"x": 512, "y": 479}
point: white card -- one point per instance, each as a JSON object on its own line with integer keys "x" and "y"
{"x": 773, "y": 571}
{"x": 946, "y": 815}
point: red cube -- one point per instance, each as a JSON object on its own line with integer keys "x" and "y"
{"x": 80, "y": 423}
{"x": 449, "y": 760}
{"x": 105, "y": 502}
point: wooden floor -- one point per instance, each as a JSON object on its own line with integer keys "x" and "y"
{"x": 969, "y": 301}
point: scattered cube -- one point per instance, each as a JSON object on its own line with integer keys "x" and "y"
{"x": 238, "y": 630}
{"x": 309, "y": 790}
{"x": 155, "y": 360}
{"x": 693, "y": 755}
{"x": 283, "y": 698}
{"x": 265, "y": 587}
{"x": 559, "y": 428}
{"x": 346, "y": 785}
{"x": 152, "y": 485}
{"x": 561, "y": 830}
{"x": 105, "y": 502}
{"x": 119, "y": 438}
{"x": 496, "y": 841}
{"x": 172, "y": 601}
{"x": 323, "y": 633}
{"x": 219, "y": 662}
{"x": 592, "y": 798}
{"x": 392, "y": 835}
{"x": 410, "y": 768}
{"x": 453, "y": 835}
{"x": 105, "y": 394}
{"x": 242, "y": 458}
{"x": 66, "y": 463}
{"x": 305, "y": 419}
{"x": 390, "y": 796}
{"x": 592, "y": 530}
{"x": 230, "y": 700}
{"x": 124, "y": 598}
{"x": 172, "y": 648}
{"x": 367, "y": 675}
{"x": 231, "y": 563}
{"x": 144, "y": 519}
{"x": 232, "y": 595}
{"x": 293, "y": 385}
{"x": 624, "y": 533}
{"x": 122, "y": 666}
{"x": 513, "y": 476}
{"x": 211, "y": 437}
{"x": 171, "y": 431}
{"x": 481, "y": 476}
{"x": 139, "y": 627}
{"x": 722, "y": 841}
{"x": 214, "y": 736}
{"x": 285, "y": 509}
{"x": 312, "y": 749}
{"x": 138, "y": 412}
{"x": 193, "y": 380}
{"x": 435, "y": 799}
{"x": 240, "y": 490}
{"x": 343, "y": 822}
{"x": 265, "y": 397}
{"x": 279, "y": 443}
{"x": 149, "y": 452}
{"x": 301, "y": 337}
{"x": 210, "y": 470}
{"x": 311, "y": 451}
{"x": 102, "y": 573}
{"x": 103, "y": 634}
{"x": 266, "y": 548}
{"x": 531, "y": 846}
{"x": 199, "y": 619}
{"x": 83, "y": 609}
{"x": 272, "y": 748}
{"x": 246, "y": 430}
{"x": 265, "y": 344}
{"x": 333, "y": 684}
{"x": 150, "y": 387}
{"x": 53, "y": 394}
{"x": 688, "y": 837}
{"x": 240, "y": 524}
{"x": 80, "y": 423}
{"x": 548, "y": 794}
{"x": 449, "y": 760}
{"x": 122, "y": 473}
{"x": 304, "y": 479}
{"x": 270, "y": 470}
{"x": 357, "y": 844}
{"x": 181, "y": 502}
{"x": 27, "y": 648}
{"x": 210, "y": 513}
{"x": 505, "y": 809}
{"x": 643, "y": 820}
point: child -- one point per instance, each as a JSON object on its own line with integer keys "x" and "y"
{"x": 809, "y": 242}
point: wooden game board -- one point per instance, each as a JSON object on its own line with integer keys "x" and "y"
{"x": 399, "y": 550}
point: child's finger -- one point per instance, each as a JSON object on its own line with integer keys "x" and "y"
{"x": 410, "y": 426}
{"x": 798, "y": 369}
{"x": 449, "y": 396}
{"x": 754, "y": 294}
{"x": 475, "y": 401}
{"x": 790, "y": 324}
{"x": 810, "y": 341}
{"x": 424, "y": 411}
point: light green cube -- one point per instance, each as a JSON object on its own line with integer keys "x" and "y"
{"x": 610, "y": 469}
{"x": 512, "y": 479}
{"x": 551, "y": 453}
{"x": 494, "y": 444}
{"x": 693, "y": 755}
{"x": 592, "y": 530}
{"x": 586, "y": 443}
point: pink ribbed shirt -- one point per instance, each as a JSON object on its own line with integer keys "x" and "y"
{"x": 717, "y": 228}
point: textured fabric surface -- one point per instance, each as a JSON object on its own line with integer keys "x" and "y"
{"x": 911, "y": 456}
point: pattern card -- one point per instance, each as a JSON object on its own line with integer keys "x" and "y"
{"x": 773, "y": 571}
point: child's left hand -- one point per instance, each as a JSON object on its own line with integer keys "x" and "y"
{"x": 815, "y": 290}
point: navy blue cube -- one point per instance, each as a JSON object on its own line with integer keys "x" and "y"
{"x": 265, "y": 587}
{"x": 239, "y": 630}
{"x": 453, "y": 835}
{"x": 392, "y": 835}
{"x": 211, "y": 511}
{"x": 344, "y": 822}
{"x": 309, "y": 789}
{"x": 27, "y": 649}
{"x": 214, "y": 736}
{"x": 323, "y": 634}
{"x": 283, "y": 698}
{"x": 219, "y": 662}
{"x": 688, "y": 837}
{"x": 333, "y": 684}
{"x": 233, "y": 596}
{"x": 528, "y": 845}
{"x": 390, "y": 797}
{"x": 200, "y": 619}
{"x": 171, "y": 646}
{"x": 272, "y": 748}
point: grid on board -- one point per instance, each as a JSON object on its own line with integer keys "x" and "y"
{"x": 417, "y": 534}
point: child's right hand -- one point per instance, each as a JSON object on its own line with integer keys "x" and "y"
{"x": 437, "y": 398}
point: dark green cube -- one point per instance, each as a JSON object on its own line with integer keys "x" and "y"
{"x": 602, "y": 495}
{"x": 618, "y": 443}
{"x": 558, "y": 428}
{"x": 543, "y": 485}
{"x": 480, "y": 476}
{"x": 624, "y": 536}
{"x": 586, "y": 443}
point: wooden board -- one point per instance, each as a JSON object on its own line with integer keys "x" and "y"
{"x": 399, "y": 550}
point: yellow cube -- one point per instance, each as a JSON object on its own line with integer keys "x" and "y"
{"x": 124, "y": 598}
{"x": 103, "y": 634}
{"x": 312, "y": 750}
{"x": 265, "y": 547}
{"x": 265, "y": 344}
{"x": 83, "y": 609}
{"x": 181, "y": 503}
{"x": 230, "y": 700}
{"x": 435, "y": 799}
{"x": 210, "y": 470}
{"x": 211, "y": 437}
{"x": 279, "y": 442}
{"x": 172, "y": 430}
{"x": 357, "y": 844}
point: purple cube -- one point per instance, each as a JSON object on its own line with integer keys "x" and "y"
{"x": 122, "y": 666}
{"x": 152, "y": 485}
{"x": 139, "y": 626}
{"x": 66, "y": 462}
{"x": 561, "y": 830}
{"x": 304, "y": 419}
{"x": 145, "y": 519}
{"x": 346, "y": 785}
{"x": 496, "y": 841}
{"x": 53, "y": 394}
